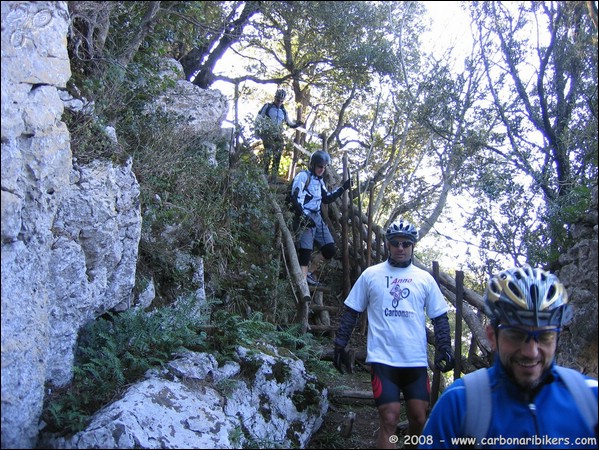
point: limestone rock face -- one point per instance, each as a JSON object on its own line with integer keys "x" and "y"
{"x": 93, "y": 257}
{"x": 70, "y": 235}
{"x": 578, "y": 344}
{"x": 36, "y": 163}
{"x": 201, "y": 111}
{"x": 197, "y": 404}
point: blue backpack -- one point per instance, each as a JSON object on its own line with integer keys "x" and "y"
{"x": 479, "y": 404}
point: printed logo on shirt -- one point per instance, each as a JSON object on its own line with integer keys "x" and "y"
{"x": 398, "y": 293}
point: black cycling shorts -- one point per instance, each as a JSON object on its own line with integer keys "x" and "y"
{"x": 388, "y": 382}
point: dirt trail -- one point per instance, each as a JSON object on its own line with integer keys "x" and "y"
{"x": 365, "y": 425}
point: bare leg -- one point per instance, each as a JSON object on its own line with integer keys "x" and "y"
{"x": 416, "y": 412}
{"x": 389, "y": 416}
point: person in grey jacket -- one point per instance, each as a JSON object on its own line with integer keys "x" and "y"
{"x": 269, "y": 127}
{"x": 308, "y": 193}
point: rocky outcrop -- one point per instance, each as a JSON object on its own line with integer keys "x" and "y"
{"x": 36, "y": 165}
{"x": 70, "y": 235}
{"x": 578, "y": 345}
{"x": 93, "y": 257}
{"x": 195, "y": 403}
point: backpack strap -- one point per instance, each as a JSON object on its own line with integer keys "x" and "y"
{"x": 585, "y": 401}
{"x": 307, "y": 180}
{"x": 478, "y": 404}
{"x": 267, "y": 107}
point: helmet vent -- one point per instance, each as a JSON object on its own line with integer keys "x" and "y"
{"x": 551, "y": 292}
{"x": 526, "y": 296}
{"x": 515, "y": 290}
{"x": 534, "y": 295}
{"x": 518, "y": 275}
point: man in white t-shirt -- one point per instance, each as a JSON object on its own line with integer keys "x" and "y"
{"x": 398, "y": 297}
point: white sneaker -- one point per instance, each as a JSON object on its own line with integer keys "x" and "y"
{"x": 312, "y": 281}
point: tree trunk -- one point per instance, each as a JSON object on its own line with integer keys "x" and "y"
{"x": 298, "y": 278}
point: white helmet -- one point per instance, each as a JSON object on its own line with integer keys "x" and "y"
{"x": 280, "y": 94}
{"x": 402, "y": 229}
{"x": 528, "y": 297}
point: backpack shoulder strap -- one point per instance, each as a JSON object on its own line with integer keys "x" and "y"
{"x": 478, "y": 404}
{"x": 307, "y": 179}
{"x": 585, "y": 401}
{"x": 265, "y": 109}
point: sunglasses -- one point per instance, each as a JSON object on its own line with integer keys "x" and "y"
{"x": 397, "y": 244}
{"x": 518, "y": 335}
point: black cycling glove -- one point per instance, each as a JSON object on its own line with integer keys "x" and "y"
{"x": 348, "y": 322}
{"x": 347, "y": 184}
{"x": 444, "y": 359}
{"x": 341, "y": 360}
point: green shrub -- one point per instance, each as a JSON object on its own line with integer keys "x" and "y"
{"x": 117, "y": 350}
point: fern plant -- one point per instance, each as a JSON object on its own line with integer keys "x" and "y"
{"x": 117, "y": 350}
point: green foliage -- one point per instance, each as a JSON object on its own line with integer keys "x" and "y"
{"x": 234, "y": 330}
{"x": 192, "y": 207}
{"x": 89, "y": 140}
{"x": 235, "y": 436}
{"x": 571, "y": 207}
{"x": 118, "y": 97}
{"x": 555, "y": 155}
{"x": 117, "y": 350}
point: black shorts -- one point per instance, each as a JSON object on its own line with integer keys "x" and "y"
{"x": 388, "y": 382}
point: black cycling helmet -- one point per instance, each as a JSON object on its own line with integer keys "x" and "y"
{"x": 280, "y": 94}
{"x": 319, "y": 158}
{"x": 402, "y": 229}
{"x": 527, "y": 297}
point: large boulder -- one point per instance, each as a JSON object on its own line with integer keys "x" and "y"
{"x": 262, "y": 400}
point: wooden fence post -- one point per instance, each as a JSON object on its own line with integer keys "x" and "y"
{"x": 345, "y": 216}
{"x": 436, "y": 372}
{"x": 459, "y": 299}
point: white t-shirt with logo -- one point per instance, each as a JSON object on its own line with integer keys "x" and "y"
{"x": 397, "y": 300}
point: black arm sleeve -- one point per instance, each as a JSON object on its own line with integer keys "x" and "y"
{"x": 348, "y": 322}
{"x": 442, "y": 332}
{"x": 330, "y": 197}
